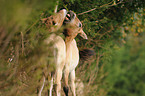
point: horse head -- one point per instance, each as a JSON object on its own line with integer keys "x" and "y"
{"x": 54, "y": 22}
{"x": 73, "y": 26}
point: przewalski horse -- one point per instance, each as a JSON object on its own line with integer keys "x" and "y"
{"x": 73, "y": 26}
{"x": 54, "y": 23}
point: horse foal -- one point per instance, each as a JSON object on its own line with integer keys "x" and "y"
{"x": 54, "y": 23}
{"x": 73, "y": 27}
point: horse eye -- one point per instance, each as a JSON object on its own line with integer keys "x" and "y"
{"x": 80, "y": 25}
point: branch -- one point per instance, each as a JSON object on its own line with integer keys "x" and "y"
{"x": 105, "y": 5}
{"x": 94, "y": 76}
{"x": 22, "y": 42}
{"x": 32, "y": 25}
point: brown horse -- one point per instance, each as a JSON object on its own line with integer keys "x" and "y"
{"x": 73, "y": 27}
{"x": 54, "y": 23}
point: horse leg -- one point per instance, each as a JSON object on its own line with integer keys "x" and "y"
{"x": 39, "y": 94}
{"x": 66, "y": 75}
{"x": 72, "y": 78}
{"x": 51, "y": 86}
{"x": 58, "y": 81}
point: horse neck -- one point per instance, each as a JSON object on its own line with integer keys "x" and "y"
{"x": 68, "y": 41}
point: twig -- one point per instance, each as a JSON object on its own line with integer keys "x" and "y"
{"x": 22, "y": 42}
{"x": 93, "y": 77}
{"x": 87, "y": 11}
{"x": 105, "y": 5}
{"x": 32, "y": 25}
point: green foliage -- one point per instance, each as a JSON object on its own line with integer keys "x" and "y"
{"x": 127, "y": 70}
{"x": 127, "y": 66}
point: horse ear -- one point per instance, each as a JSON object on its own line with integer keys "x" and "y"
{"x": 72, "y": 16}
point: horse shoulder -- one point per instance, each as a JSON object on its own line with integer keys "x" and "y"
{"x": 60, "y": 50}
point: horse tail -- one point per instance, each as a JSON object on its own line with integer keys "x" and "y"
{"x": 85, "y": 54}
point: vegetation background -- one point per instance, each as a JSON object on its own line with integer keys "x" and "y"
{"x": 115, "y": 29}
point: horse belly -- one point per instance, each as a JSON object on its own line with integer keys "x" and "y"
{"x": 73, "y": 65}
